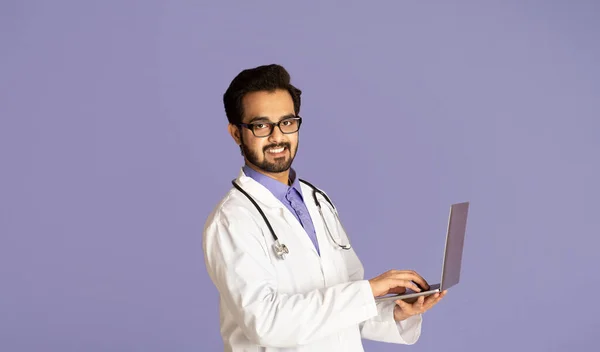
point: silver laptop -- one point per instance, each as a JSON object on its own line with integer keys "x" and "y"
{"x": 451, "y": 264}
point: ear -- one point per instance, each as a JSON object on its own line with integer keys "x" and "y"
{"x": 234, "y": 131}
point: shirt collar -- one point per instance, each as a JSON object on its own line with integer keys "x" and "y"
{"x": 295, "y": 182}
{"x": 278, "y": 189}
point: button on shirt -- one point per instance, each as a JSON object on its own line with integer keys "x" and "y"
{"x": 290, "y": 196}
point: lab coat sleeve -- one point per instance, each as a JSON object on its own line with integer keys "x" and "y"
{"x": 238, "y": 262}
{"x": 383, "y": 327}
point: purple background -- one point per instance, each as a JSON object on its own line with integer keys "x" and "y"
{"x": 114, "y": 148}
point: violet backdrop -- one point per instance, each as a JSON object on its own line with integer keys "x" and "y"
{"x": 114, "y": 149}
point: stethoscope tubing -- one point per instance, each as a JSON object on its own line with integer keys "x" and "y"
{"x": 281, "y": 249}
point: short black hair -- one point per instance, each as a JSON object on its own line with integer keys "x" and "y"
{"x": 262, "y": 78}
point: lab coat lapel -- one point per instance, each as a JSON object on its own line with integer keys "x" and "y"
{"x": 258, "y": 192}
{"x": 317, "y": 220}
{"x": 332, "y": 264}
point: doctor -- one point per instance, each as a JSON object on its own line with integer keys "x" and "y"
{"x": 287, "y": 276}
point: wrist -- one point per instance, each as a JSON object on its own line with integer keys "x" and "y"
{"x": 399, "y": 315}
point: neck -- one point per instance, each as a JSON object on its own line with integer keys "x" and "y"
{"x": 283, "y": 177}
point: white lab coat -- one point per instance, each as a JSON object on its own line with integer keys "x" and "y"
{"x": 306, "y": 302}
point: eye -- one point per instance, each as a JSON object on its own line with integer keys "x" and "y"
{"x": 259, "y": 126}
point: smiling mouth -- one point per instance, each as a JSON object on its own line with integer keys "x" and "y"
{"x": 276, "y": 150}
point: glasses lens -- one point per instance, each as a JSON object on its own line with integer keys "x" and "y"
{"x": 261, "y": 129}
{"x": 289, "y": 125}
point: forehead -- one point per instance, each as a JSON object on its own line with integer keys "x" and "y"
{"x": 272, "y": 105}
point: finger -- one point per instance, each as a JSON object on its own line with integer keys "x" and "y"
{"x": 397, "y": 290}
{"x": 431, "y": 301}
{"x": 420, "y": 280}
{"x": 398, "y": 283}
{"x": 442, "y": 294}
{"x": 418, "y": 305}
{"x": 406, "y": 307}
{"x": 436, "y": 300}
{"x": 411, "y": 284}
{"x": 412, "y": 276}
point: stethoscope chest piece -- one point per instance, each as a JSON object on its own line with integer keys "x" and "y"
{"x": 281, "y": 250}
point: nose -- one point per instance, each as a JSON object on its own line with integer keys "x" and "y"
{"x": 276, "y": 136}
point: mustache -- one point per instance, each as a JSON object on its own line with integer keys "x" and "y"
{"x": 285, "y": 145}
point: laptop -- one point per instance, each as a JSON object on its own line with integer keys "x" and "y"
{"x": 451, "y": 264}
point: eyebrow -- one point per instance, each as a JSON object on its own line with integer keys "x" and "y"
{"x": 264, "y": 118}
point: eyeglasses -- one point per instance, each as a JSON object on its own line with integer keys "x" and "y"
{"x": 264, "y": 129}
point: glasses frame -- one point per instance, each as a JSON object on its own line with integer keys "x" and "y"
{"x": 272, "y": 126}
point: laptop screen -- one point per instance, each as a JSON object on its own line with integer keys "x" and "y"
{"x": 457, "y": 225}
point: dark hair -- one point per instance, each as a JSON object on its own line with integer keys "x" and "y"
{"x": 261, "y": 78}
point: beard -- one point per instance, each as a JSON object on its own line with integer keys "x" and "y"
{"x": 280, "y": 164}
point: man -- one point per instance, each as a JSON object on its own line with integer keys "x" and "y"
{"x": 309, "y": 295}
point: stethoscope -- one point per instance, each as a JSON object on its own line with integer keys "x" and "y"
{"x": 281, "y": 250}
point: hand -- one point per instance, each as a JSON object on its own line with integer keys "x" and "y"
{"x": 404, "y": 310}
{"x": 397, "y": 281}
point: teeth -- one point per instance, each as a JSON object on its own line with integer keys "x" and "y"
{"x": 278, "y": 150}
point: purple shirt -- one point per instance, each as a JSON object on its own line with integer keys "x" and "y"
{"x": 290, "y": 196}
